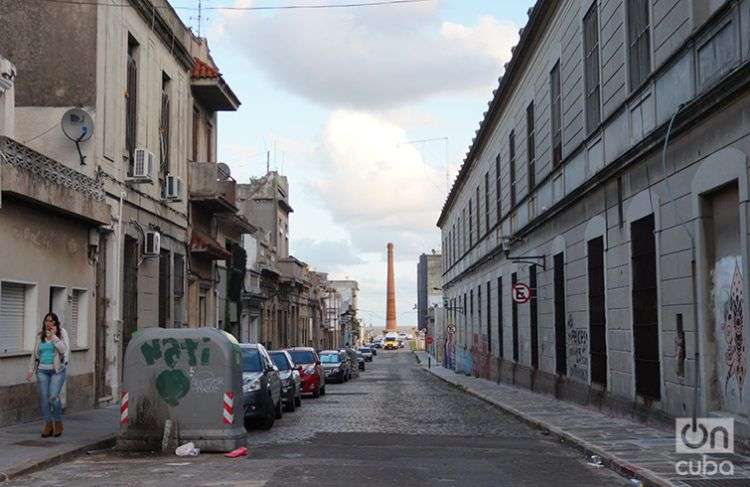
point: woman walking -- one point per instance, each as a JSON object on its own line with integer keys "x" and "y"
{"x": 48, "y": 362}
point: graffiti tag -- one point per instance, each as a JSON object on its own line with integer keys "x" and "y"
{"x": 578, "y": 351}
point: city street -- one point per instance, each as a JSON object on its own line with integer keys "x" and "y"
{"x": 394, "y": 425}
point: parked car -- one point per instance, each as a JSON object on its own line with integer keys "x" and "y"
{"x": 367, "y": 352}
{"x": 360, "y": 360}
{"x": 378, "y": 344}
{"x": 291, "y": 384}
{"x": 336, "y": 365}
{"x": 353, "y": 362}
{"x": 311, "y": 372}
{"x": 261, "y": 387}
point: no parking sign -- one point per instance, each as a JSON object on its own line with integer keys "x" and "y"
{"x": 521, "y": 293}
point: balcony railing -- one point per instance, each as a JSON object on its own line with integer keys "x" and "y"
{"x": 41, "y": 166}
{"x": 207, "y": 182}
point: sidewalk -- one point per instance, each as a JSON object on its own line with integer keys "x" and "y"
{"x": 22, "y": 450}
{"x": 634, "y": 449}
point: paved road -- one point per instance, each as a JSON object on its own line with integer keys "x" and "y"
{"x": 395, "y": 425}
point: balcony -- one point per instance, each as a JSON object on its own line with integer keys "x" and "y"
{"x": 210, "y": 189}
{"x": 34, "y": 177}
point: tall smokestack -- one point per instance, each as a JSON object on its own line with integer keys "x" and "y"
{"x": 390, "y": 314}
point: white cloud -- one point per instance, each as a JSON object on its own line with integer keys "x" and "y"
{"x": 326, "y": 255}
{"x": 371, "y": 57}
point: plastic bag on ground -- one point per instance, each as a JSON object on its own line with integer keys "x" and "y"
{"x": 187, "y": 450}
{"x": 239, "y": 452}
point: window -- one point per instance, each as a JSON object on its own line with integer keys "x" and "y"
{"x": 479, "y": 218}
{"x": 489, "y": 319}
{"x": 597, "y": 312}
{"x": 533, "y": 319}
{"x": 500, "y": 316}
{"x": 639, "y": 47}
{"x": 512, "y": 152}
{"x": 196, "y": 131}
{"x": 514, "y": 317}
{"x": 498, "y": 193}
{"x": 165, "y": 285}
{"x": 12, "y": 316}
{"x": 164, "y": 122}
{"x": 556, "y": 113}
{"x": 209, "y": 141}
{"x": 131, "y": 100}
{"x": 487, "y": 201}
{"x": 77, "y": 326}
{"x": 591, "y": 67}
{"x": 561, "y": 359}
{"x": 463, "y": 245}
{"x": 479, "y": 308}
{"x": 471, "y": 226}
{"x": 645, "y": 310}
{"x": 530, "y": 146}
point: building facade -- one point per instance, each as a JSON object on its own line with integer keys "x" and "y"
{"x": 429, "y": 290}
{"x": 351, "y": 327}
{"x": 609, "y": 176}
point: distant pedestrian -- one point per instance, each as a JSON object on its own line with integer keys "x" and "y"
{"x": 48, "y": 362}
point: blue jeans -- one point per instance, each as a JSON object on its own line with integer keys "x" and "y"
{"x": 50, "y": 384}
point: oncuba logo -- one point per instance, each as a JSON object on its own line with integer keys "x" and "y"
{"x": 707, "y": 435}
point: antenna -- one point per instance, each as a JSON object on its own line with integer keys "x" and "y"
{"x": 200, "y": 16}
{"x": 78, "y": 126}
{"x": 268, "y": 161}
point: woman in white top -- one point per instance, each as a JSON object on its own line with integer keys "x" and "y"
{"x": 48, "y": 362}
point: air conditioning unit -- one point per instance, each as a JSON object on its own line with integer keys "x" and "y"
{"x": 152, "y": 244}
{"x": 173, "y": 188}
{"x": 143, "y": 165}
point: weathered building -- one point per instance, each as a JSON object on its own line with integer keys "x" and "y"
{"x": 351, "y": 329}
{"x": 610, "y": 176}
{"x": 51, "y": 219}
{"x": 429, "y": 290}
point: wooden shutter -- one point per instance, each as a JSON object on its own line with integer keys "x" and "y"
{"x": 12, "y": 312}
{"x": 72, "y": 326}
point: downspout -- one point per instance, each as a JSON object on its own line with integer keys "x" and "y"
{"x": 693, "y": 279}
{"x": 117, "y": 335}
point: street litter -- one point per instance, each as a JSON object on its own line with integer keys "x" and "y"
{"x": 187, "y": 450}
{"x": 636, "y": 483}
{"x": 238, "y": 452}
{"x": 596, "y": 461}
{"x": 177, "y": 464}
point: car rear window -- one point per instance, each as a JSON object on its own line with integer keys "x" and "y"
{"x": 302, "y": 357}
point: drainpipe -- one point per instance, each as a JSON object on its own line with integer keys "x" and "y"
{"x": 693, "y": 279}
{"x": 117, "y": 321}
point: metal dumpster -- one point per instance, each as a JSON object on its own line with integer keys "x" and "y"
{"x": 187, "y": 379}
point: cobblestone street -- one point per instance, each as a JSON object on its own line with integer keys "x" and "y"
{"x": 395, "y": 425}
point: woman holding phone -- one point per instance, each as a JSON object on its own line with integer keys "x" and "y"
{"x": 48, "y": 362}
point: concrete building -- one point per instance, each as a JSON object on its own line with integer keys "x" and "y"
{"x": 332, "y": 317}
{"x": 429, "y": 290}
{"x": 51, "y": 219}
{"x": 565, "y": 189}
{"x": 351, "y": 329}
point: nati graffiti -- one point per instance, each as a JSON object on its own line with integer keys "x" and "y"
{"x": 578, "y": 351}
{"x": 732, "y": 328}
{"x": 174, "y": 384}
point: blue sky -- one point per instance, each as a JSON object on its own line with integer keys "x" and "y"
{"x": 337, "y": 96}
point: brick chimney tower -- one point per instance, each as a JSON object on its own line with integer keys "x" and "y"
{"x": 390, "y": 313}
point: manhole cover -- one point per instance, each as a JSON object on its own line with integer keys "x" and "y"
{"x": 717, "y": 482}
{"x": 39, "y": 443}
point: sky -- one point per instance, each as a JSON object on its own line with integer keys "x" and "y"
{"x": 343, "y": 99}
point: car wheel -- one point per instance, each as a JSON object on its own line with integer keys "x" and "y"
{"x": 268, "y": 421}
{"x": 279, "y": 409}
{"x": 298, "y": 399}
{"x": 316, "y": 393}
{"x": 322, "y": 391}
{"x": 291, "y": 403}
{"x": 249, "y": 424}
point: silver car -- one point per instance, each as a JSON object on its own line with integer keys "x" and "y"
{"x": 291, "y": 383}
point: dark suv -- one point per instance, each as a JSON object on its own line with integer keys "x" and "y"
{"x": 261, "y": 387}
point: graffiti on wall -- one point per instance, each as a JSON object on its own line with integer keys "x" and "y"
{"x": 174, "y": 383}
{"x": 578, "y": 351}
{"x": 732, "y": 329}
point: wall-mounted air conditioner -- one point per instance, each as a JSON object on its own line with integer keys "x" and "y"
{"x": 152, "y": 246}
{"x": 143, "y": 166}
{"x": 173, "y": 188}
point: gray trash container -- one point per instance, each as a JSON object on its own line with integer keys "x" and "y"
{"x": 192, "y": 377}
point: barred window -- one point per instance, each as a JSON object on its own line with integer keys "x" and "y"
{"x": 556, "y": 114}
{"x": 591, "y": 52}
{"x": 530, "y": 146}
{"x": 639, "y": 48}
{"x": 512, "y": 152}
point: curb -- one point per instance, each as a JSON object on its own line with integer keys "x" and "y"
{"x": 34, "y": 466}
{"x": 620, "y": 466}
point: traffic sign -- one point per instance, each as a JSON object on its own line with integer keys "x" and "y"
{"x": 451, "y": 329}
{"x": 428, "y": 340}
{"x": 521, "y": 293}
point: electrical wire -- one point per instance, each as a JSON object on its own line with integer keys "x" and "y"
{"x": 106, "y": 3}
{"x": 57, "y": 124}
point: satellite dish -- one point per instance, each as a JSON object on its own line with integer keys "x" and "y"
{"x": 77, "y": 125}
{"x": 223, "y": 171}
